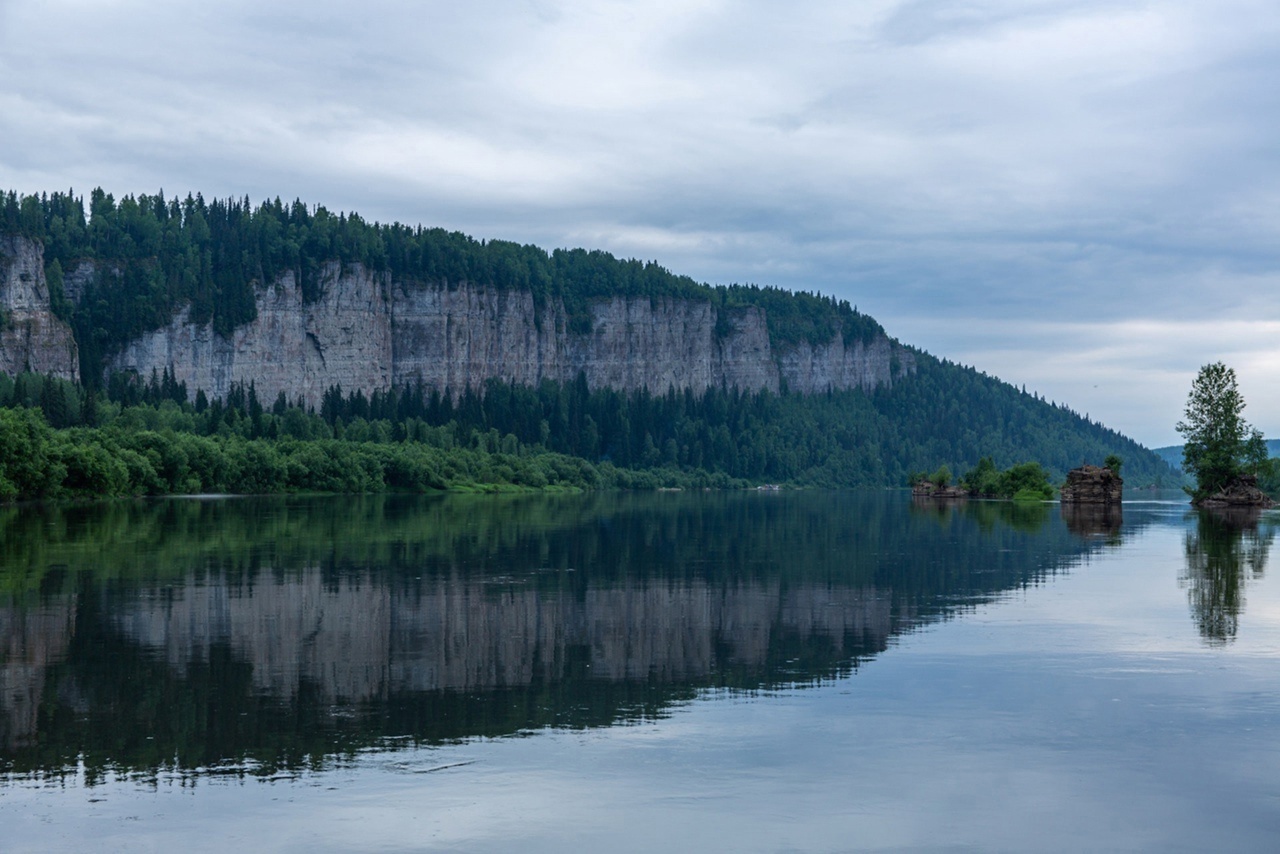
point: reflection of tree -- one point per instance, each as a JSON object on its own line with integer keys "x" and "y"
{"x": 1224, "y": 546}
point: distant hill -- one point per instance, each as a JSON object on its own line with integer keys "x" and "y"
{"x": 1172, "y": 454}
{"x": 573, "y": 351}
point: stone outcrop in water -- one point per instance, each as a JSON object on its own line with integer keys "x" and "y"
{"x": 1242, "y": 491}
{"x": 367, "y": 331}
{"x": 31, "y": 336}
{"x": 1092, "y": 485}
{"x": 929, "y": 489}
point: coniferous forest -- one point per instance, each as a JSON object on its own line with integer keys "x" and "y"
{"x": 150, "y": 435}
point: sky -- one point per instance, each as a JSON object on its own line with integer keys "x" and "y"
{"x": 1078, "y": 196}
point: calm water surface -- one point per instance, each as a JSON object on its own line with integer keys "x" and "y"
{"x": 774, "y": 672}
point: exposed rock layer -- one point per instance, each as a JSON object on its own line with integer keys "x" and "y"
{"x": 31, "y": 336}
{"x": 368, "y": 332}
{"x": 1242, "y": 491}
{"x": 1092, "y": 485}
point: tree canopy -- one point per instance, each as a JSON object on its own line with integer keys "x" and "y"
{"x": 1219, "y": 445}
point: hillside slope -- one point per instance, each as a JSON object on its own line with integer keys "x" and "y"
{"x": 297, "y": 303}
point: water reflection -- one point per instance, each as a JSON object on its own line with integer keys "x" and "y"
{"x": 987, "y": 515}
{"x": 1226, "y": 548}
{"x": 263, "y": 634}
{"x": 1101, "y": 521}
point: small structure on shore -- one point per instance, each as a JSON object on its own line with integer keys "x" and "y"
{"x": 1241, "y": 491}
{"x": 1092, "y": 485}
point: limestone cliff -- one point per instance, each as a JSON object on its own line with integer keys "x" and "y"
{"x": 368, "y": 332}
{"x": 31, "y": 337}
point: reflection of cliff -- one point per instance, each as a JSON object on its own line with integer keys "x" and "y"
{"x": 361, "y": 641}
{"x": 31, "y": 639}
{"x": 278, "y": 632}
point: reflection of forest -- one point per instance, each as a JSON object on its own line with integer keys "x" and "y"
{"x": 284, "y": 630}
{"x": 1227, "y": 547}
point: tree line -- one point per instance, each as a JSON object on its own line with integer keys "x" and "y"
{"x": 400, "y": 439}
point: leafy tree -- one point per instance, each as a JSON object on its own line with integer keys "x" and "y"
{"x": 1113, "y": 462}
{"x": 1219, "y": 445}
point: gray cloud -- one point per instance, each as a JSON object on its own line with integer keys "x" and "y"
{"x": 995, "y": 165}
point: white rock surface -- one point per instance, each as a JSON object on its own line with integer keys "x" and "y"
{"x": 366, "y": 332}
{"x": 31, "y": 337}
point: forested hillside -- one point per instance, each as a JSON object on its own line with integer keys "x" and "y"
{"x": 150, "y": 439}
{"x": 130, "y": 265}
{"x": 150, "y": 256}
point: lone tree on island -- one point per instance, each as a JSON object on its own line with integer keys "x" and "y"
{"x": 1219, "y": 445}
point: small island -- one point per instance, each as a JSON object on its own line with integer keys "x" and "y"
{"x": 1223, "y": 452}
{"x": 1091, "y": 484}
{"x": 1022, "y": 482}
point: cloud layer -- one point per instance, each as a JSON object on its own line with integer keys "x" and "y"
{"x": 1078, "y": 196}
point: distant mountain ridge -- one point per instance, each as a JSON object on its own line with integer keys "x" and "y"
{"x": 1172, "y": 454}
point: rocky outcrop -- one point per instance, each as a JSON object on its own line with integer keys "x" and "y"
{"x": 1092, "y": 485}
{"x": 32, "y": 338}
{"x": 927, "y": 489}
{"x": 367, "y": 332}
{"x": 292, "y": 346}
{"x": 1242, "y": 491}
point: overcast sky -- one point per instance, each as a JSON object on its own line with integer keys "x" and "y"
{"x": 1082, "y": 197}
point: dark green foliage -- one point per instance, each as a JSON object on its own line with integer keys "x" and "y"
{"x": 1026, "y": 481}
{"x": 982, "y": 479}
{"x": 554, "y": 436}
{"x": 1114, "y": 462}
{"x": 1023, "y": 481}
{"x": 153, "y": 256}
{"x": 1220, "y": 445}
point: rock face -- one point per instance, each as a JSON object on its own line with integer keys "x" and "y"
{"x": 929, "y": 489}
{"x": 1092, "y": 485}
{"x": 1243, "y": 491}
{"x": 31, "y": 337}
{"x": 367, "y": 332}
{"x": 293, "y": 347}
